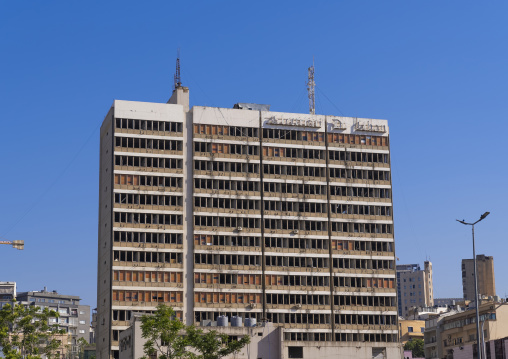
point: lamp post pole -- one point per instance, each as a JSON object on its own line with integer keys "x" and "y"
{"x": 477, "y": 304}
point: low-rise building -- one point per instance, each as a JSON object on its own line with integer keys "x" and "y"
{"x": 453, "y": 334}
{"x": 74, "y": 318}
{"x": 7, "y": 292}
{"x": 411, "y": 329}
{"x": 432, "y": 336}
{"x": 267, "y": 342}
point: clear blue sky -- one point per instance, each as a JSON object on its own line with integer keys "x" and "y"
{"x": 436, "y": 70}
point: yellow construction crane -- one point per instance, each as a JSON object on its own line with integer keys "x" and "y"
{"x": 15, "y": 244}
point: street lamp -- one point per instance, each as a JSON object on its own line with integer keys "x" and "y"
{"x": 480, "y": 354}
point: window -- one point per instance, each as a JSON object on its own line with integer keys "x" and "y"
{"x": 81, "y": 331}
{"x": 409, "y": 329}
{"x": 422, "y": 329}
{"x": 81, "y": 312}
{"x": 295, "y": 352}
{"x": 82, "y": 322}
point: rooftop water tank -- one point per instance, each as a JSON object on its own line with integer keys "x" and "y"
{"x": 236, "y": 321}
{"x": 250, "y": 322}
{"x": 222, "y": 321}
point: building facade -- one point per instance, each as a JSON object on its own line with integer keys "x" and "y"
{"x": 448, "y": 302}
{"x": 486, "y": 280}
{"x": 453, "y": 334}
{"x": 414, "y": 287}
{"x": 74, "y": 318}
{"x": 411, "y": 329}
{"x": 278, "y": 217}
{"x": 7, "y": 293}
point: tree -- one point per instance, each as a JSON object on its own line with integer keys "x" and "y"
{"x": 213, "y": 345}
{"x": 81, "y": 343}
{"x": 416, "y": 347}
{"x": 163, "y": 334}
{"x": 168, "y": 338}
{"x": 25, "y": 332}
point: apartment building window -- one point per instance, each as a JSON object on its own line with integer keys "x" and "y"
{"x": 147, "y": 125}
{"x": 410, "y": 329}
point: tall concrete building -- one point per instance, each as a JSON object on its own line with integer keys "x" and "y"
{"x": 271, "y": 216}
{"x": 486, "y": 280}
{"x": 414, "y": 287}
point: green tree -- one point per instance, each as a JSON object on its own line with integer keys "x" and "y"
{"x": 163, "y": 334}
{"x": 81, "y": 343}
{"x": 416, "y": 347}
{"x": 25, "y": 332}
{"x": 213, "y": 345}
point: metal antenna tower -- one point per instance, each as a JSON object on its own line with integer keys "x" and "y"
{"x": 178, "y": 80}
{"x": 310, "y": 88}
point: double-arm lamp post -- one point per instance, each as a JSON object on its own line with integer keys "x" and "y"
{"x": 477, "y": 304}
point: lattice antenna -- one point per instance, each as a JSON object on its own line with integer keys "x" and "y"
{"x": 311, "y": 89}
{"x": 178, "y": 80}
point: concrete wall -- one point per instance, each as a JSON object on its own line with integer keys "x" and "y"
{"x": 105, "y": 243}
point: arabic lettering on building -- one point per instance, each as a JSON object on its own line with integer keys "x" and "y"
{"x": 297, "y": 122}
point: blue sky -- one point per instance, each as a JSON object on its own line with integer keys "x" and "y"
{"x": 435, "y": 70}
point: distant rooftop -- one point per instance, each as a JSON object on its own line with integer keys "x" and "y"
{"x": 45, "y": 293}
{"x": 251, "y": 106}
{"x": 408, "y": 267}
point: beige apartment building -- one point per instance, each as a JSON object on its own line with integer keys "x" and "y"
{"x": 486, "y": 280}
{"x": 414, "y": 287}
{"x": 453, "y": 335}
{"x": 273, "y": 217}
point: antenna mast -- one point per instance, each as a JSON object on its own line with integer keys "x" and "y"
{"x": 310, "y": 88}
{"x": 178, "y": 80}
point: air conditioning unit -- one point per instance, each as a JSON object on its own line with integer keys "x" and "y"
{"x": 298, "y": 306}
{"x": 253, "y": 305}
{"x": 239, "y": 229}
{"x": 295, "y": 231}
